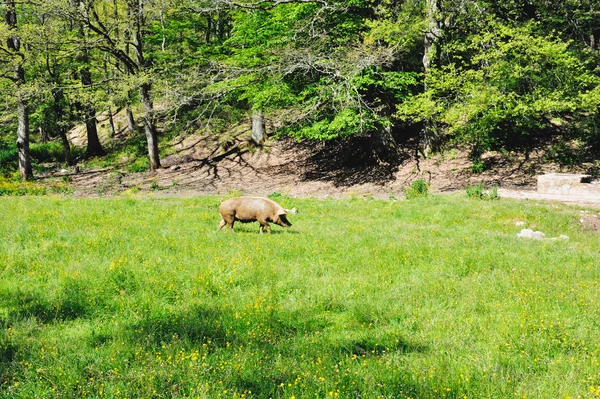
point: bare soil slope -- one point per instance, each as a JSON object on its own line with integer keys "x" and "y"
{"x": 200, "y": 165}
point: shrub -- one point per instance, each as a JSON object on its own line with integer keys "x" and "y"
{"x": 478, "y": 192}
{"x": 8, "y": 158}
{"x": 139, "y": 165}
{"x": 15, "y": 188}
{"x": 475, "y": 191}
{"x": 63, "y": 187}
{"x": 154, "y": 186}
{"x": 478, "y": 167}
{"x": 418, "y": 188}
{"x": 51, "y": 151}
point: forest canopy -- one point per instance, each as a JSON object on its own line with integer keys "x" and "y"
{"x": 377, "y": 74}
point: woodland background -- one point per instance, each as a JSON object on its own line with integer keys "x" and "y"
{"x": 376, "y": 77}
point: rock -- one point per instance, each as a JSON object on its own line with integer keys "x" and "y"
{"x": 528, "y": 233}
{"x": 538, "y": 235}
{"x": 566, "y": 184}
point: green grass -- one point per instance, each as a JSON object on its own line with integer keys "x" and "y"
{"x": 429, "y": 298}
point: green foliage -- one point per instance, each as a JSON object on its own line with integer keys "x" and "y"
{"x": 154, "y": 186}
{"x": 478, "y": 166}
{"x": 51, "y": 151}
{"x": 479, "y": 192}
{"x": 342, "y": 124}
{"x": 141, "y": 164}
{"x": 504, "y": 87}
{"x": 503, "y": 76}
{"x": 17, "y": 188}
{"x": 417, "y": 189}
{"x": 14, "y": 187}
{"x": 565, "y": 153}
{"x": 8, "y": 158}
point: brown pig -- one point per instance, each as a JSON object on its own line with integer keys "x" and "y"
{"x": 253, "y": 209}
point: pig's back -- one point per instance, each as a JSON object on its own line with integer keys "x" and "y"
{"x": 249, "y": 208}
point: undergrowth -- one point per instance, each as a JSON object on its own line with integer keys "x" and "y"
{"x": 12, "y": 187}
{"x": 479, "y": 192}
{"x": 418, "y": 188}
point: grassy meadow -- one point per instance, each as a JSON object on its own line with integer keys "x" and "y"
{"x": 429, "y": 298}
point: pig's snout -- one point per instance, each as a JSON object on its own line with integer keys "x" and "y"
{"x": 283, "y": 222}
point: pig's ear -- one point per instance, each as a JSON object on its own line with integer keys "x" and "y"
{"x": 281, "y": 212}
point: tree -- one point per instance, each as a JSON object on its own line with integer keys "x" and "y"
{"x": 142, "y": 67}
{"x": 108, "y": 39}
{"x": 15, "y": 59}
{"x": 503, "y": 81}
{"x": 94, "y": 147}
{"x": 318, "y": 62}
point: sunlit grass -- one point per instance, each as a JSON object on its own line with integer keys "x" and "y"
{"x": 428, "y": 298}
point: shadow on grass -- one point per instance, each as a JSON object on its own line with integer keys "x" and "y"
{"x": 371, "y": 347}
{"x": 197, "y": 325}
{"x": 269, "y": 347}
{"x": 68, "y": 304}
{"x": 8, "y": 359}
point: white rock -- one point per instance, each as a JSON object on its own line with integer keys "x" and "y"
{"x": 519, "y": 223}
{"x": 528, "y": 233}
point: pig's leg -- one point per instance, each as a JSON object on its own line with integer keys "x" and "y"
{"x": 221, "y": 225}
{"x": 229, "y": 220}
{"x": 264, "y": 224}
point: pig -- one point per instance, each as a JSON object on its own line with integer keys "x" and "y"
{"x": 253, "y": 209}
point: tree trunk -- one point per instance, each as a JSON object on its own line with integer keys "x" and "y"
{"x": 208, "y": 27}
{"x": 57, "y": 94}
{"x": 25, "y": 170}
{"x": 14, "y": 45}
{"x": 149, "y": 127}
{"x": 432, "y": 32}
{"x": 94, "y": 148}
{"x": 67, "y": 147}
{"x": 111, "y": 123}
{"x": 221, "y": 25}
{"x": 258, "y": 127}
{"x": 137, "y": 12}
{"x": 384, "y": 144}
{"x": 43, "y": 134}
{"x": 431, "y": 37}
{"x": 130, "y": 120}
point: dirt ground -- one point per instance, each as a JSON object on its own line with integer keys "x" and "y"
{"x": 200, "y": 166}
